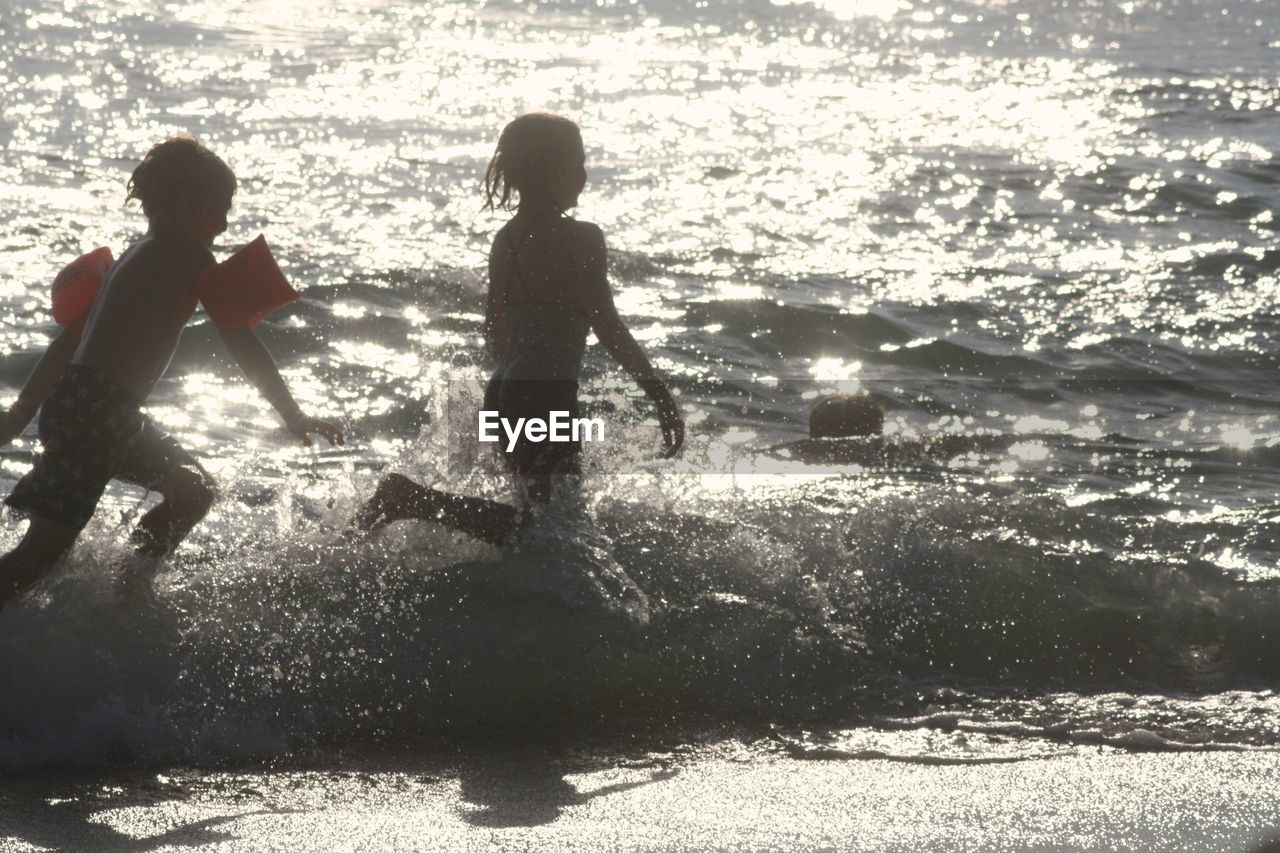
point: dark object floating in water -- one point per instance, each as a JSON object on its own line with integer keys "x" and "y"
{"x": 719, "y": 173}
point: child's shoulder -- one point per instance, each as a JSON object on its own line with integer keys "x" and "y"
{"x": 586, "y": 228}
{"x": 175, "y": 256}
{"x": 585, "y": 235}
{"x": 579, "y": 232}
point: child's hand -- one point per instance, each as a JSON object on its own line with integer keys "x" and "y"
{"x": 671, "y": 422}
{"x": 304, "y": 425}
{"x": 11, "y": 425}
{"x": 672, "y": 431}
{"x": 668, "y": 415}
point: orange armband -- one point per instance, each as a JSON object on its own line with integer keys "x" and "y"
{"x": 245, "y": 288}
{"x": 76, "y": 287}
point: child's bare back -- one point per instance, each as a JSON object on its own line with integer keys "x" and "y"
{"x": 146, "y": 301}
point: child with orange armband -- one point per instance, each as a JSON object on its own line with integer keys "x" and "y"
{"x": 121, "y": 324}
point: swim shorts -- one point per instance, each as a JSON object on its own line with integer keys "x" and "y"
{"x": 514, "y": 399}
{"x": 92, "y": 430}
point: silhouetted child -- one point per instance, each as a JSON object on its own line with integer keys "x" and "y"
{"x": 548, "y": 288}
{"x": 90, "y": 386}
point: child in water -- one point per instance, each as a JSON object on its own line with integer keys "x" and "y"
{"x": 548, "y": 288}
{"x": 90, "y": 386}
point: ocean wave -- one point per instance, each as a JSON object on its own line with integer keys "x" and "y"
{"x": 782, "y": 614}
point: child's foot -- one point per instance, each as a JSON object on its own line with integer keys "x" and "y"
{"x": 388, "y": 504}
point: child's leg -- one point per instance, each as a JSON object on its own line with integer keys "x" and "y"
{"x": 539, "y": 468}
{"x": 157, "y": 462}
{"x": 44, "y": 543}
{"x": 398, "y": 498}
{"x": 188, "y": 494}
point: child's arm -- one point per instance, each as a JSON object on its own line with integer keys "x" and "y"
{"x": 260, "y": 369}
{"x": 495, "y": 316}
{"x": 41, "y": 381}
{"x": 495, "y": 326}
{"x": 596, "y": 299}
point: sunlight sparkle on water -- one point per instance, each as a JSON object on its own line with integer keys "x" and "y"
{"x": 1238, "y": 437}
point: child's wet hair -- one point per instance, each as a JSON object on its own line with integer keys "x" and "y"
{"x": 174, "y": 171}
{"x": 845, "y": 416}
{"x": 529, "y": 150}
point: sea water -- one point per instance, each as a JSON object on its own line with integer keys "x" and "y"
{"x": 1041, "y": 233}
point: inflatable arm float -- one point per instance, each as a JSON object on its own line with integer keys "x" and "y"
{"x": 246, "y": 288}
{"x": 243, "y": 290}
{"x": 76, "y": 286}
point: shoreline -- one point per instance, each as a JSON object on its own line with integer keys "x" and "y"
{"x": 523, "y": 798}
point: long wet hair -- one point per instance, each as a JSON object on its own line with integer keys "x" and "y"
{"x": 530, "y": 150}
{"x": 174, "y": 171}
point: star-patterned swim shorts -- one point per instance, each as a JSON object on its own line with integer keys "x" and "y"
{"x": 92, "y": 430}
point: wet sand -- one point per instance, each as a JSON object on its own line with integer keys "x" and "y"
{"x": 711, "y": 799}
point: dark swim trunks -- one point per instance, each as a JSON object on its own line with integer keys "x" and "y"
{"x": 92, "y": 430}
{"x": 514, "y": 399}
